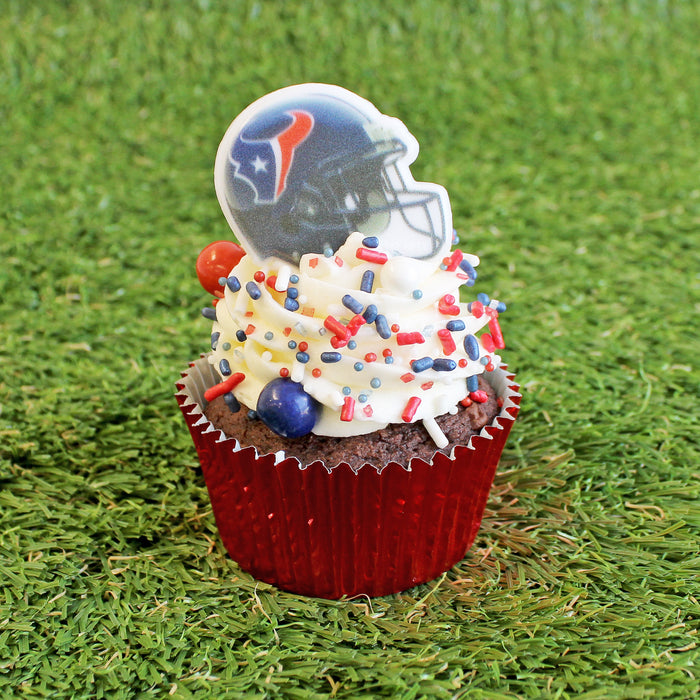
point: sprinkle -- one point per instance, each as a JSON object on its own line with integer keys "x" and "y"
{"x": 417, "y": 294}
{"x": 476, "y": 308}
{"x": 370, "y": 242}
{"x": 287, "y": 331}
{"x": 283, "y": 278}
{"x": 487, "y": 342}
{"x": 457, "y": 325}
{"x": 367, "y": 281}
{"x": 337, "y": 342}
{"x": 259, "y": 276}
{"x": 485, "y": 360}
{"x": 249, "y": 314}
{"x": 411, "y": 408}
{"x": 362, "y": 398}
{"x": 410, "y": 338}
{"x": 375, "y": 382}
{"x": 427, "y": 385}
{"x": 447, "y": 306}
{"x": 284, "y": 372}
{"x": 386, "y": 352}
{"x": 249, "y": 329}
{"x": 349, "y": 302}
{"x": 370, "y": 357}
{"x": 241, "y": 336}
{"x": 382, "y": 326}
{"x": 472, "y": 383}
{"x": 297, "y": 374}
{"x": 233, "y": 283}
{"x": 313, "y": 262}
{"x": 406, "y": 378}
{"x": 471, "y": 346}
{"x": 466, "y": 402}
{"x": 209, "y": 313}
{"x": 252, "y": 415}
{"x": 501, "y": 307}
{"x": 462, "y": 363}
{"x": 367, "y": 410}
{"x": 224, "y": 367}
{"x": 421, "y": 365}
{"x": 226, "y": 346}
{"x": 346, "y": 390}
{"x": 335, "y": 326}
{"x": 436, "y": 433}
{"x": 447, "y": 341}
{"x": 292, "y": 344}
{"x": 215, "y": 339}
{"x": 316, "y": 372}
{"x": 442, "y": 364}
{"x": 309, "y": 311}
{"x": 291, "y": 304}
{"x": 303, "y": 357}
{"x": 483, "y": 298}
{"x": 348, "y": 409}
{"x": 253, "y": 290}
{"x": 356, "y": 322}
{"x": 496, "y": 334}
{"x": 303, "y": 346}
{"x": 370, "y": 255}
{"x": 358, "y": 366}
{"x": 328, "y": 252}
{"x": 266, "y": 356}
{"x": 227, "y": 385}
{"x": 490, "y": 367}
{"x": 329, "y": 357}
{"x": 479, "y": 396}
{"x": 395, "y": 327}
{"x": 294, "y": 279}
{"x": 454, "y": 260}
{"x": 468, "y": 268}
{"x": 370, "y": 313}
{"x": 232, "y": 402}
{"x": 351, "y": 344}
{"x": 271, "y": 281}
{"x": 388, "y": 360}
{"x": 338, "y": 261}
{"x": 269, "y": 335}
{"x": 292, "y": 292}
{"x": 222, "y": 281}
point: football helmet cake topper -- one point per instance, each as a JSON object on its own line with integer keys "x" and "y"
{"x": 303, "y": 167}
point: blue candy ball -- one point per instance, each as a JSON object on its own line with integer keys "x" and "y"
{"x": 287, "y": 409}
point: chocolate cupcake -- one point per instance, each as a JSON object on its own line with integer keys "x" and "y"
{"x": 351, "y": 413}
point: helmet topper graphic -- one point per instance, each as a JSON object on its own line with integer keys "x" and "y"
{"x": 303, "y": 167}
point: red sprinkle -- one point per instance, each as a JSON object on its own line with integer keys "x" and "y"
{"x": 248, "y": 313}
{"x": 338, "y": 261}
{"x": 447, "y": 341}
{"x": 408, "y": 377}
{"x": 409, "y": 338}
{"x": 313, "y": 262}
{"x": 259, "y": 276}
{"x": 271, "y": 281}
{"x": 479, "y": 396}
{"x": 316, "y": 372}
{"x": 224, "y": 387}
{"x": 477, "y": 309}
{"x": 355, "y": 323}
{"x": 337, "y": 328}
{"x": 496, "y": 334}
{"x": 249, "y": 329}
{"x": 337, "y": 342}
{"x": 395, "y": 327}
{"x": 348, "y": 410}
{"x": 490, "y": 367}
{"x": 371, "y": 255}
{"x": 487, "y": 342}
{"x": 284, "y": 372}
{"x": 426, "y": 386}
{"x": 466, "y": 402}
{"x": 452, "y": 263}
{"x": 386, "y": 352}
{"x": 462, "y": 363}
{"x": 286, "y": 332}
{"x": 370, "y": 357}
{"x": 303, "y": 346}
{"x": 411, "y": 408}
{"x": 447, "y": 306}
{"x": 367, "y": 410}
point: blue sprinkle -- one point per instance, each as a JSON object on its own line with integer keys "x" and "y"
{"x": 294, "y": 279}
{"x": 346, "y": 390}
{"x": 215, "y": 339}
{"x": 253, "y": 290}
{"x": 501, "y": 307}
{"x": 328, "y": 251}
{"x": 232, "y": 402}
{"x": 417, "y": 294}
{"x": 291, "y": 304}
{"x": 370, "y": 242}
{"x": 292, "y": 344}
{"x": 468, "y": 268}
{"x": 485, "y": 360}
{"x": 367, "y": 281}
{"x": 422, "y": 364}
{"x": 241, "y": 336}
{"x": 349, "y": 302}
{"x": 222, "y": 281}
{"x": 331, "y": 357}
{"x": 457, "y": 325}
{"x": 362, "y": 398}
{"x": 388, "y": 360}
{"x": 382, "y": 326}
{"x": 226, "y": 347}
{"x": 358, "y": 367}
{"x": 375, "y": 383}
{"x": 233, "y": 284}
{"x": 471, "y": 346}
{"x": 455, "y": 237}
{"x": 351, "y": 344}
{"x": 252, "y": 415}
{"x": 303, "y": 357}
{"x": 292, "y": 292}
{"x": 442, "y": 364}
{"x": 473, "y": 383}
{"x": 443, "y": 266}
{"x": 483, "y": 298}
{"x": 209, "y": 313}
{"x": 269, "y": 335}
{"x": 224, "y": 367}
{"x": 370, "y": 313}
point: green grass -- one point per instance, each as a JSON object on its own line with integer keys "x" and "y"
{"x": 567, "y": 134}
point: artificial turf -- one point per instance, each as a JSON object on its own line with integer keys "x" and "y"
{"x": 567, "y": 134}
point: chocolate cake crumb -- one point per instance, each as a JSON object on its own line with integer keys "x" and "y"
{"x": 398, "y": 442}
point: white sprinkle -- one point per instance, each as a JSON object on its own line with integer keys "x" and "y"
{"x": 266, "y": 356}
{"x": 435, "y": 432}
{"x": 282, "y": 281}
{"x": 297, "y": 373}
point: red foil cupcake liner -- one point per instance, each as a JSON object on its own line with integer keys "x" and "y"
{"x": 330, "y": 532}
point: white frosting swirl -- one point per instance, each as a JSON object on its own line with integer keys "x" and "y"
{"x": 373, "y": 382}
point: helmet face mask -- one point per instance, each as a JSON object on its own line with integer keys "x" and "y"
{"x": 303, "y": 167}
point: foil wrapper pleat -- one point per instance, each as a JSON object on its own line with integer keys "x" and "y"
{"x": 334, "y": 531}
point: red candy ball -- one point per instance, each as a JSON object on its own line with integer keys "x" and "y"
{"x": 216, "y": 261}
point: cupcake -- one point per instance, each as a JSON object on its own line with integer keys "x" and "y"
{"x": 351, "y": 412}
